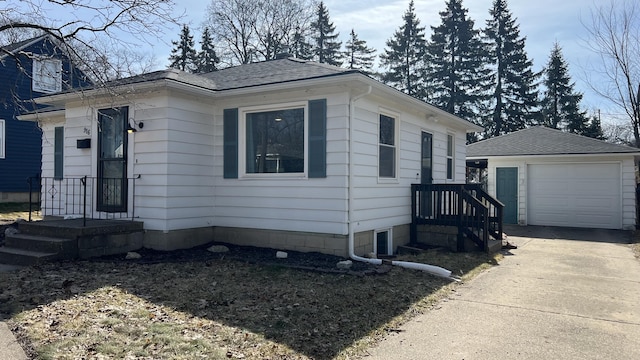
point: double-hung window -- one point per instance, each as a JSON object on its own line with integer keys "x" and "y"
{"x": 275, "y": 140}
{"x": 2, "y": 139}
{"x": 47, "y": 75}
{"x": 387, "y": 147}
{"x": 450, "y": 156}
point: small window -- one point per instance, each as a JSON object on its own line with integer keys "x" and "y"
{"x": 450, "y": 157}
{"x": 2, "y": 139}
{"x": 47, "y": 75}
{"x": 58, "y": 153}
{"x": 382, "y": 242}
{"x": 387, "y": 147}
{"x": 275, "y": 141}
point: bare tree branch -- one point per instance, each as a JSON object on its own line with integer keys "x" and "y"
{"x": 614, "y": 34}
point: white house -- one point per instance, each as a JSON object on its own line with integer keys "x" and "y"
{"x": 548, "y": 177}
{"x": 288, "y": 154}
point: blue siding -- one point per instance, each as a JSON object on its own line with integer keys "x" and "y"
{"x": 23, "y": 153}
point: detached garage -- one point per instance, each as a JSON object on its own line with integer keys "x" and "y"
{"x": 549, "y": 177}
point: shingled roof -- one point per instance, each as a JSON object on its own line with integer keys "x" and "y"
{"x": 541, "y": 140}
{"x": 272, "y": 72}
{"x": 17, "y": 46}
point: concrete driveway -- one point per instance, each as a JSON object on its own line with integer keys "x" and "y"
{"x": 563, "y": 294}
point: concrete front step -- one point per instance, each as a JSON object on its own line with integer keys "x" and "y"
{"x": 66, "y": 248}
{"x": 12, "y": 256}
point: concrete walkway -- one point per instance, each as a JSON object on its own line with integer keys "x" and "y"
{"x": 9, "y": 347}
{"x": 563, "y": 294}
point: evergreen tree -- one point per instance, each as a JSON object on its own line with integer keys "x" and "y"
{"x": 404, "y": 56}
{"x": 300, "y": 48}
{"x": 594, "y": 129}
{"x": 560, "y": 103}
{"x": 358, "y": 55}
{"x": 207, "y": 59}
{"x": 327, "y": 46}
{"x": 457, "y": 77}
{"x": 183, "y": 55}
{"x": 514, "y": 96}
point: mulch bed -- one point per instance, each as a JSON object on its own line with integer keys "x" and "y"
{"x": 311, "y": 261}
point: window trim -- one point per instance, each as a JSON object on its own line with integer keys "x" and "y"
{"x": 242, "y": 140}
{"x": 36, "y": 83}
{"x": 389, "y": 232}
{"x": 450, "y": 156}
{"x": 396, "y": 140}
{"x": 3, "y": 138}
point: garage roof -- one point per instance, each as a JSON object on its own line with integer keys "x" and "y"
{"x": 541, "y": 140}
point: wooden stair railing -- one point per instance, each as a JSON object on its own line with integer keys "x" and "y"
{"x": 476, "y": 214}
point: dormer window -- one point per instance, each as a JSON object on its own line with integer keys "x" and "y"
{"x": 47, "y": 75}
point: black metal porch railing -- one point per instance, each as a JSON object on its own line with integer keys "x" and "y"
{"x": 466, "y": 206}
{"x": 85, "y": 197}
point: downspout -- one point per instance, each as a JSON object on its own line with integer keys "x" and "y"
{"x": 434, "y": 270}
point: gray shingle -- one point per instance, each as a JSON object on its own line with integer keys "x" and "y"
{"x": 540, "y": 140}
{"x": 271, "y": 72}
{"x": 242, "y": 76}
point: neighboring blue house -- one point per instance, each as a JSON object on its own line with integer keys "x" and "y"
{"x": 28, "y": 69}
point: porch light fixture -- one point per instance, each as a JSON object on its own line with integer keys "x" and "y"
{"x": 132, "y": 129}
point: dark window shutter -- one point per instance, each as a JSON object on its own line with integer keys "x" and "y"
{"x": 318, "y": 138}
{"x": 230, "y": 143}
{"x": 58, "y": 153}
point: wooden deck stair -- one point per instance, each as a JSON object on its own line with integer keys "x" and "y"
{"x": 476, "y": 215}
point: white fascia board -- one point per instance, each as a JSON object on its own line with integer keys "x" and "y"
{"x": 554, "y": 156}
{"x": 43, "y": 115}
{"x": 431, "y": 110}
{"x": 134, "y": 88}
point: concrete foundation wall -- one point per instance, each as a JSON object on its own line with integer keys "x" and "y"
{"x": 284, "y": 240}
{"x": 100, "y": 245}
{"x": 437, "y": 235}
{"x": 333, "y": 244}
{"x": 177, "y": 239}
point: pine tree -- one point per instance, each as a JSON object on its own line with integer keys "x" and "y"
{"x": 358, "y": 55}
{"x": 300, "y": 48}
{"x": 327, "y": 46}
{"x": 457, "y": 77}
{"x": 207, "y": 59}
{"x": 183, "y": 55}
{"x": 514, "y": 97}
{"x": 404, "y": 56}
{"x": 594, "y": 129}
{"x": 560, "y": 103}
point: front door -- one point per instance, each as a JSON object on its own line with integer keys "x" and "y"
{"x": 507, "y": 192}
{"x": 426, "y": 173}
{"x": 112, "y": 160}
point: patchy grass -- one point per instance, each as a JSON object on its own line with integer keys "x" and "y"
{"x": 216, "y": 309}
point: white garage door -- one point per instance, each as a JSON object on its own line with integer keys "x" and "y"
{"x": 576, "y": 195}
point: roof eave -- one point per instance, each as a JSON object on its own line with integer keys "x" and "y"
{"x": 539, "y": 156}
{"x": 39, "y": 115}
{"x": 353, "y": 77}
{"x": 62, "y": 98}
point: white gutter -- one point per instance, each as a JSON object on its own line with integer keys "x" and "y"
{"x": 432, "y": 269}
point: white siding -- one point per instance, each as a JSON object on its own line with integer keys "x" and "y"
{"x": 178, "y": 156}
{"x": 384, "y": 203}
{"x": 173, "y": 155}
{"x": 295, "y": 204}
